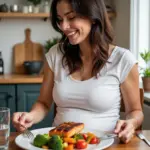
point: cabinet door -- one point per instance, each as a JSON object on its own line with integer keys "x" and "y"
{"x": 27, "y": 95}
{"x": 7, "y": 99}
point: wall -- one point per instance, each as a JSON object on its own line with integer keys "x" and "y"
{"x": 12, "y": 32}
{"x": 121, "y": 23}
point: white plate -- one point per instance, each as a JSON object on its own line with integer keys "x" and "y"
{"x": 25, "y": 143}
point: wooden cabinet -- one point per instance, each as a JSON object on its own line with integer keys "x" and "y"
{"x": 21, "y": 97}
{"x": 8, "y": 99}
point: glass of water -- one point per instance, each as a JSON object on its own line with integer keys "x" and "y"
{"x": 4, "y": 127}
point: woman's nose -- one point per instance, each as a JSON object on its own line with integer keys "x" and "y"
{"x": 64, "y": 25}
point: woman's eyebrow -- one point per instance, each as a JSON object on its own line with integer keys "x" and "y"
{"x": 67, "y": 13}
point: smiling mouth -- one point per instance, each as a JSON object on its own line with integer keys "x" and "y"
{"x": 71, "y": 34}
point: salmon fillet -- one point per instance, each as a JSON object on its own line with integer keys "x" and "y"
{"x": 67, "y": 129}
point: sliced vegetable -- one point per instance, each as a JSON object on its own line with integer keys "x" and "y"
{"x": 65, "y": 145}
{"x": 90, "y": 136}
{"x": 70, "y": 140}
{"x": 94, "y": 140}
{"x": 85, "y": 136}
{"x": 81, "y": 144}
{"x": 70, "y": 147}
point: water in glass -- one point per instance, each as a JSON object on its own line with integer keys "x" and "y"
{"x": 4, "y": 128}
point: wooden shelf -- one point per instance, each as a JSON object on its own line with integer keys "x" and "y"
{"x": 37, "y": 15}
{"x": 23, "y": 15}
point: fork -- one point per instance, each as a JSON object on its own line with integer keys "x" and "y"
{"x": 108, "y": 136}
{"x": 27, "y": 133}
{"x": 142, "y": 137}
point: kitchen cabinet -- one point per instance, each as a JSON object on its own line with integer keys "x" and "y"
{"x": 27, "y": 95}
{"x": 21, "y": 97}
{"x": 8, "y": 99}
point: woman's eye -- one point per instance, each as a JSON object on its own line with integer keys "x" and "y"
{"x": 71, "y": 18}
{"x": 59, "y": 20}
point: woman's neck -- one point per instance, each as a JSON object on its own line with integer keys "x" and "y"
{"x": 86, "y": 50}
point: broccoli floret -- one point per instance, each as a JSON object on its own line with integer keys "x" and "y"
{"x": 40, "y": 140}
{"x": 55, "y": 143}
{"x": 46, "y": 136}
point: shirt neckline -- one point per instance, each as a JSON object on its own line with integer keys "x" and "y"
{"x": 80, "y": 81}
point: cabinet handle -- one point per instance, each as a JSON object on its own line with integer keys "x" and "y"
{"x": 9, "y": 96}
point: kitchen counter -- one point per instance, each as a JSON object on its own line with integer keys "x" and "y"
{"x": 20, "y": 79}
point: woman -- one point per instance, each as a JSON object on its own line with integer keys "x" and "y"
{"x": 86, "y": 74}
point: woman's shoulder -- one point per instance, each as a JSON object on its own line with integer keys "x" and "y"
{"x": 123, "y": 53}
{"x": 54, "y": 50}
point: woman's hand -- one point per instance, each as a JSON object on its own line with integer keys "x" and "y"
{"x": 22, "y": 120}
{"x": 125, "y": 129}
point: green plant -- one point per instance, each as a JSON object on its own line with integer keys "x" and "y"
{"x": 146, "y": 57}
{"x": 35, "y": 2}
{"x": 49, "y": 43}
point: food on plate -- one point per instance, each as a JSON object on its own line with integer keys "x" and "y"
{"x": 41, "y": 140}
{"x": 67, "y": 129}
{"x": 55, "y": 142}
{"x": 67, "y": 136}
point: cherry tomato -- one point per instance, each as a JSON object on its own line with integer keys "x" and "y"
{"x": 85, "y": 136}
{"x": 81, "y": 144}
{"x": 94, "y": 140}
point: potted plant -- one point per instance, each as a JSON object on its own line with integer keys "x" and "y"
{"x": 146, "y": 71}
{"x": 36, "y": 4}
{"x": 49, "y": 43}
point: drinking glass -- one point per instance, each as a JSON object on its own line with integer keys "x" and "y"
{"x": 4, "y": 127}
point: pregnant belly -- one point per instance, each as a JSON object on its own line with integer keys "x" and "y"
{"x": 91, "y": 120}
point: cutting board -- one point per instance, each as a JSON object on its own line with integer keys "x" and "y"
{"x": 26, "y": 51}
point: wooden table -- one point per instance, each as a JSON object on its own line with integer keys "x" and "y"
{"x": 135, "y": 144}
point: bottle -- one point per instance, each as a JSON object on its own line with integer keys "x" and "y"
{"x": 1, "y": 64}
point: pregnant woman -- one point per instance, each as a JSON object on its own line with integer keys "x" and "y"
{"x": 86, "y": 74}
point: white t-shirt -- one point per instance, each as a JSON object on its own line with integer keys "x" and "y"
{"x": 96, "y": 101}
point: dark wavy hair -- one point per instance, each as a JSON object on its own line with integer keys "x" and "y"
{"x": 101, "y": 34}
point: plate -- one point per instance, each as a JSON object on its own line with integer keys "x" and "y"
{"x": 25, "y": 143}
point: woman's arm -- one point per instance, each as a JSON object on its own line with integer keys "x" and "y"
{"x": 133, "y": 109}
{"x": 43, "y": 104}
{"x": 131, "y": 97}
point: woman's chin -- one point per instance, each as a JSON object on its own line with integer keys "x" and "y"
{"x": 73, "y": 42}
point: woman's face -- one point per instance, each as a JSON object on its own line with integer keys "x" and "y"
{"x": 77, "y": 29}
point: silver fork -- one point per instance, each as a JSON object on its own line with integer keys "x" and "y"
{"x": 27, "y": 133}
{"x": 108, "y": 136}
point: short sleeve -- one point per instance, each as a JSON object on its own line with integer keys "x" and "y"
{"x": 126, "y": 63}
{"x": 51, "y": 56}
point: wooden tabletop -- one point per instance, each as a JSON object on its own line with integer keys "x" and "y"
{"x": 20, "y": 79}
{"x": 135, "y": 144}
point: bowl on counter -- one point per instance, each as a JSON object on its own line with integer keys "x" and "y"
{"x": 33, "y": 67}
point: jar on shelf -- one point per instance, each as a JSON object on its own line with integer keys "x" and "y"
{"x": 46, "y": 7}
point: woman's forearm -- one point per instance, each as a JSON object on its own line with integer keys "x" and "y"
{"x": 137, "y": 117}
{"x": 38, "y": 111}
